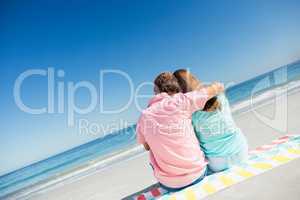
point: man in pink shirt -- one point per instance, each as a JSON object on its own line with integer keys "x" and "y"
{"x": 165, "y": 129}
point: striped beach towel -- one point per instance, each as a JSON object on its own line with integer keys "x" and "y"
{"x": 261, "y": 159}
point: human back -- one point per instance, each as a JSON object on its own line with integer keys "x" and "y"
{"x": 219, "y": 137}
{"x": 217, "y": 132}
{"x": 165, "y": 128}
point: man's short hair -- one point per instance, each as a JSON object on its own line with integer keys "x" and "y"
{"x": 167, "y": 82}
{"x": 181, "y": 79}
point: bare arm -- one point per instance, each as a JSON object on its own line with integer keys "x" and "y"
{"x": 146, "y": 146}
{"x": 201, "y": 95}
{"x": 214, "y": 89}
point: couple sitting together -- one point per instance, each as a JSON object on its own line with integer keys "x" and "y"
{"x": 188, "y": 130}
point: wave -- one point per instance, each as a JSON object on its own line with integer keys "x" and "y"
{"x": 258, "y": 98}
{"x": 76, "y": 174}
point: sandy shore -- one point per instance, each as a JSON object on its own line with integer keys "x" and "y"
{"x": 124, "y": 179}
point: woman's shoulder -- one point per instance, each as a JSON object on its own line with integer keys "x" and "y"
{"x": 201, "y": 115}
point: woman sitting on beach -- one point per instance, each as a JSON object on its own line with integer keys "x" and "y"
{"x": 165, "y": 129}
{"x": 220, "y": 139}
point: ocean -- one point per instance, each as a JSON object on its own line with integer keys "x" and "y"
{"x": 121, "y": 145}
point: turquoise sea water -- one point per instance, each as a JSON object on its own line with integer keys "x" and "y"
{"x": 103, "y": 148}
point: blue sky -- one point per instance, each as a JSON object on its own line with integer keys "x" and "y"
{"x": 227, "y": 40}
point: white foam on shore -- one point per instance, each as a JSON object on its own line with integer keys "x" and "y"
{"x": 96, "y": 166}
{"x": 255, "y": 99}
{"x": 91, "y": 168}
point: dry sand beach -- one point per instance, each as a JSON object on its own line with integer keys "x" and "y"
{"x": 124, "y": 179}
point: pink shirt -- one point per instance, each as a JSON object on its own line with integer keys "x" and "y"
{"x": 166, "y": 127}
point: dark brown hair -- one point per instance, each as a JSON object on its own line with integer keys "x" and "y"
{"x": 210, "y": 103}
{"x": 167, "y": 82}
{"x": 181, "y": 80}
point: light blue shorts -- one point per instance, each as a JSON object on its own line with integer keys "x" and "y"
{"x": 217, "y": 164}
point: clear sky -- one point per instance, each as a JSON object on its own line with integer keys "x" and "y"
{"x": 225, "y": 40}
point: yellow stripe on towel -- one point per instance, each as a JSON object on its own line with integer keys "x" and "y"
{"x": 281, "y": 159}
{"x": 227, "y": 181}
{"x": 244, "y": 173}
{"x": 208, "y": 188}
{"x": 190, "y": 195}
{"x": 294, "y": 151}
{"x": 263, "y": 166}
